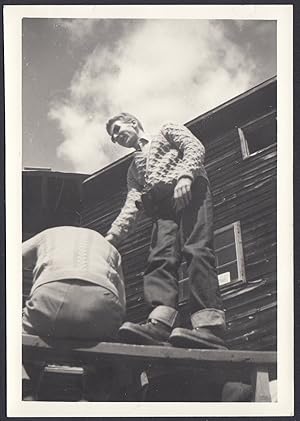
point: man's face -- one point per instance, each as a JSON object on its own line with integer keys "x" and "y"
{"x": 124, "y": 133}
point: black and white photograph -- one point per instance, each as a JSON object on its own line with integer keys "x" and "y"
{"x": 151, "y": 259}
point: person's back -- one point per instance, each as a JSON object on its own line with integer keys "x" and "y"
{"x": 78, "y": 290}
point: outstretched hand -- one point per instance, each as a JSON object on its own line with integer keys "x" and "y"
{"x": 110, "y": 238}
{"x": 182, "y": 193}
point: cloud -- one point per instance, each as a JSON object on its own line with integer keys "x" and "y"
{"x": 158, "y": 70}
{"x": 81, "y": 143}
{"x": 77, "y": 29}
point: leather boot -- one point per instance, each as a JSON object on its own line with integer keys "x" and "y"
{"x": 155, "y": 331}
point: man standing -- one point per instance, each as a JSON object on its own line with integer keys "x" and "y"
{"x": 78, "y": 290}
{"x": 168, "y": 180}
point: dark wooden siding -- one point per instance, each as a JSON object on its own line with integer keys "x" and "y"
{"x": 243, "y": 189}
{"x": 50, "y": 199}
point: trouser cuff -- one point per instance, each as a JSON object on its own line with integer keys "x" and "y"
{"x": 209, "y": 317}
{"x": 164, "y": 314}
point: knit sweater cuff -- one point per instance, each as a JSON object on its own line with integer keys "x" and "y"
{"x": 187, "y": 174}
{"x": 116, "y": 233}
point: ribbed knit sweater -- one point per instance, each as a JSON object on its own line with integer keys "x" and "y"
{"x": 68, "y": 252}
{"x": 172, "y": 154}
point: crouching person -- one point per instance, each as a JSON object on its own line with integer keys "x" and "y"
{"x": 78, "y": 290}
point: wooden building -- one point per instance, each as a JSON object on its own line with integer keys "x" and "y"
{"x": 240, "y": 140}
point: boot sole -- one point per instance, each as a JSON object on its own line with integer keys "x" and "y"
{"x": 184, "y": 340}
{"x": 130, "y": 336}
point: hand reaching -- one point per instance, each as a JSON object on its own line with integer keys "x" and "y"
{"x": 110, "y": 238}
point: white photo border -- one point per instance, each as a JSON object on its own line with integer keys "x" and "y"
{"x": 13, "y": 15}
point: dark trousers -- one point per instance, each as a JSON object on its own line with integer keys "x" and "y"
{"x": 188, "y": 234}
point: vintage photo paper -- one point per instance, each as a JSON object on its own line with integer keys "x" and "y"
{"x": 223, "y": 71}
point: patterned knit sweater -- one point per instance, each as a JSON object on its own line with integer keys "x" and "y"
{"x": 63, "y": 253}
{"x": 172, "y": 154}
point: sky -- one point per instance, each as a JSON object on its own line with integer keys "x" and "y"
{"x": 79, "y": 72}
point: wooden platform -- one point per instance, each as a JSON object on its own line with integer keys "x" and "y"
{"x": 146, "y": 358}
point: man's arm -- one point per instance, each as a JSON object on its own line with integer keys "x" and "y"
{"x": 29, "y": 252}
{"x": 124, "y": 223}
{"x": 192, "y": 149}
{"x": 193, "y": 153}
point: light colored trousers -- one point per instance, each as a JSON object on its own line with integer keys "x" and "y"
{"x": 73, "y": 309}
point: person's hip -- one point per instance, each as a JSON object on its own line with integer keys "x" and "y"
{"x": 158, "y": 202}
{"x": 73, "y": 308}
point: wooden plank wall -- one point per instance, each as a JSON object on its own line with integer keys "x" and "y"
{"x": 245, "y": 190}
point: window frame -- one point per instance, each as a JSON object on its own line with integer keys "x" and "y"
{"x": 240, "y": 262}
{"x": 241, "y": 273}
{"x": 243, "y": 139}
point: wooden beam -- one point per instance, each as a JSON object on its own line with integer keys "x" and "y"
{"x": 261, "y": 384}
{"x": 35, "y": 348}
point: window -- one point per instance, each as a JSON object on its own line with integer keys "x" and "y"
{"x": 258, "y": 134}
{"x": 229, "y": 254}
{"x": 229, "y": 259}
